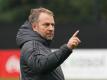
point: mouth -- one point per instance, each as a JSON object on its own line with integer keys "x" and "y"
{"x": 50, "y": 33}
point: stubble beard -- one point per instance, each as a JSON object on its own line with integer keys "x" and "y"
{"x": 49, "y": 37}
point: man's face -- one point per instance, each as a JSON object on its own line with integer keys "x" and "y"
{"x": 45, "y": 26}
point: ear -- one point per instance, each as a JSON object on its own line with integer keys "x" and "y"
{"x": 34, "y": 27}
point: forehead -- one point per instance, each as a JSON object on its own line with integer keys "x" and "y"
{"x": 46, "y": 17}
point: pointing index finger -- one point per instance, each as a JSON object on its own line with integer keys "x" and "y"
{"x": 76, "y": 33}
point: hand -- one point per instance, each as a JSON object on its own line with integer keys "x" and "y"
{"x": 73, "y": 41}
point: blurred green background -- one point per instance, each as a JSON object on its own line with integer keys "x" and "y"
{"x": 89, "y": 16}
{"x": 81, "y": 11}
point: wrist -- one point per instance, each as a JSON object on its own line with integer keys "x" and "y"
{"x": 69, "y": 46}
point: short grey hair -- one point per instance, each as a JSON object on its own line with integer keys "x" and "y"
{"x": 34, "y": 14}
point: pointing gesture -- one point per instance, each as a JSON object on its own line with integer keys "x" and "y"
{"x": 76, "y": 33}
{"x": 73, "y": 41}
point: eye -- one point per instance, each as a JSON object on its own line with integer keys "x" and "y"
{"x": 46, "y": 24}
{"x": 53, "y": 24}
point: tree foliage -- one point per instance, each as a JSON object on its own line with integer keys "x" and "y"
{"x": 82, "y": 11}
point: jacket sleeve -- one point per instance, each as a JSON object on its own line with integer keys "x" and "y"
{"x": 41, "y": 63}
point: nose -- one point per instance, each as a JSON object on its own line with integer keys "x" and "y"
{"x": 51, "y": 27}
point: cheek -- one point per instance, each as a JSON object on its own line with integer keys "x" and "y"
{"x": 44, "y": 31}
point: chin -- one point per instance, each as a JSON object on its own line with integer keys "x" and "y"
{"x": 49, "y": 38}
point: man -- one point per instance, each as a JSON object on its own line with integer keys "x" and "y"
{"x": 37, "y": 62}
